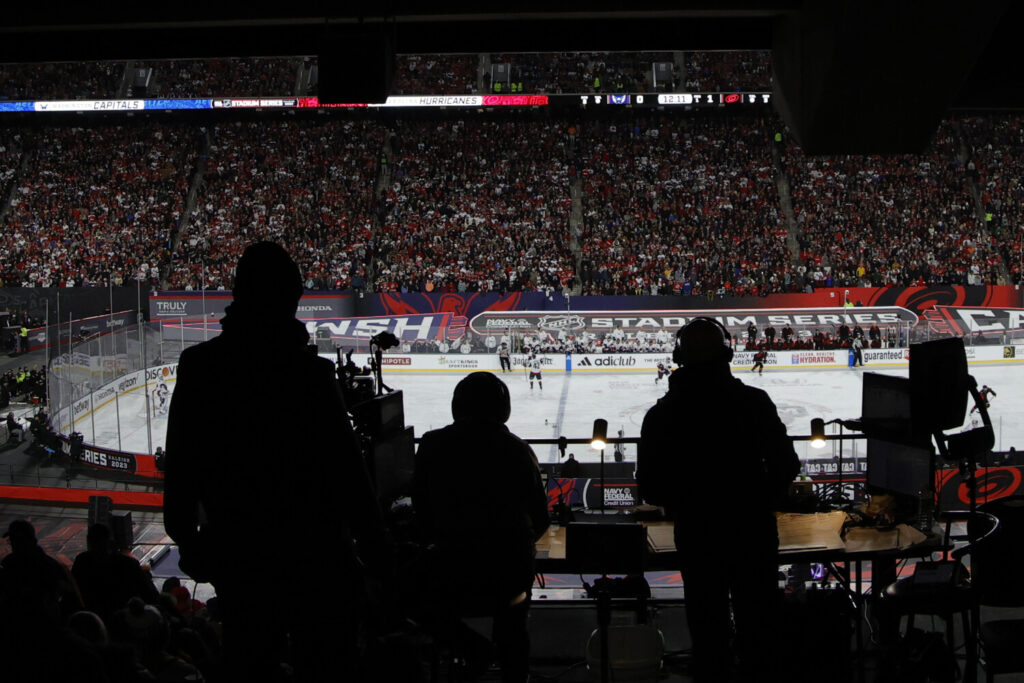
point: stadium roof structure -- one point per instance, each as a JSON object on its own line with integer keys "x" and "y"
{"x": 857, "y": 76}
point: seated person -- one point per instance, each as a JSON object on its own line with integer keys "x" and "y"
{"x": 15, "y": 428}
{"x": 108, "y": 578}
{"x": 483, "y": 536}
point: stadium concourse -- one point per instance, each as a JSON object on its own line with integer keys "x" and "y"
{"x": 570, "y": 402}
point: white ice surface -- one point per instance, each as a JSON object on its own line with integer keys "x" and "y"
{"x": 569, "y": 403}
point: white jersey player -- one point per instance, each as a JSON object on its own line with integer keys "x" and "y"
{"x": 534, "y": 365}
{"x": 161, "y": 396}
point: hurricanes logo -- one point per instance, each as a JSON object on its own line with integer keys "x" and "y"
{"x": 995, "y": 482}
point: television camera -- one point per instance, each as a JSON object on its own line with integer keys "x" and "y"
{"x": 378, "y": 418}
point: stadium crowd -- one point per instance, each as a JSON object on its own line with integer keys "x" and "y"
{"x": 11, "y": 151}
{"x": 188, "y": 78}
{"x": 476, "y": 205}
{"x": 307, "y": 184}
{"x": 579, "y": 72}
{"x": 415, "y": 74}
{"x": 684, "y": 205}
{"x": 907, "y": 219}
{"x": 60, "y": 80}
{"x": 97, "y": 205}
{"x": 680, "y": 204}
{"x": 996, "y": 162}
{"x": 435, "y": 74}
{"x": 728, "y": 71}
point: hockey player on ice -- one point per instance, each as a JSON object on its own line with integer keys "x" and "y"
{"x": 984, "y": 393}
{"x": 534, "y": 365}
{"x": 663, "y": 371}
{"x": 160, "y": 396}
{"x": 759, "y": 359}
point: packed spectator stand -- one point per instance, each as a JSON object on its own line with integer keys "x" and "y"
{"x": 61, "y": 80}
{"x": 907, "y": 219}
{"x": 996, "y": 163}
{"x": 307, "y": 183}
{"x": 639, "y": 201}
{"x": 435, "y": 74}
{"x": 96, "y": 205}
{"x": 680, "y": 205}
{"x": 414, "y": 74}
{"x": 580, "y": 72}
{"x": 728, "y": 71}
{"x": 476, "y": 205}
{"x": 222, "y": 77}
{"x": 11, "y": 152}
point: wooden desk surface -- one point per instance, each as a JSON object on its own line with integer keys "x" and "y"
{"x": 799, "y": 534}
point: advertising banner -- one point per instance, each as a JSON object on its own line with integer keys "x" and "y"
{"x": 77, "y": 330}
{"x": 618, "y": 492}
{"x": 108, "y": 460}
{"x": 397, "y": 361}
{"x": 407, "y": 328}
{"x": 992, "y": 483}
{"x": 987, "y": 314}
{"x": 988, "y": 325}
{"x": 190, "y": 307}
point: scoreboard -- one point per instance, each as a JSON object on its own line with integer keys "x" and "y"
{"x": 670, "y": 99}
{"x": 579, "y": 101}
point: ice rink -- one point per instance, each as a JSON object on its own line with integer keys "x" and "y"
{"x": 569, "y": 403}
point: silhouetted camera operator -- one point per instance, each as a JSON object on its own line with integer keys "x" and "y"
{"x": 254, "y": 505}
{"x": 715, "y": 454}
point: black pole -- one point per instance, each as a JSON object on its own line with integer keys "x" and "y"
{"x": 839, "y": 481}
{"x": 604, "y": 618}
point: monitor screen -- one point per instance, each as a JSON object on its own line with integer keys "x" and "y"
{"x": 380, "y": 416}
{"x": 393, "y": 459}
{"x": 899, "y": 468}
{"x": 885, "y": 409}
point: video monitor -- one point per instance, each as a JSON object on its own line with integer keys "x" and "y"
{"x": 392, "y": 463}
{"x": 899, "y": 468}
{"x": 380, "y": 416}
{"x": 885, "y": 406}
{"x": 899, "y": 456}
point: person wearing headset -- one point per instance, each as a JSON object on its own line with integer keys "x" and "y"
{"x": 714, "y": 453}
{"x": 481, "y": 507}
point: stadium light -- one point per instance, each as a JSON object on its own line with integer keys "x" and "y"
{"x": 817, "y": 432}
{"x": 600, "y": 438}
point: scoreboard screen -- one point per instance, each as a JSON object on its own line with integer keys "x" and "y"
{"x": 585, "y": 101}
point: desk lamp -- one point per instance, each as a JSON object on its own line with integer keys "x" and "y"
{"x": 600, "y": 438}
{"x": 598, "y": 441}
{"x": 817, "y": 433}
{"x": 818, "y": 441}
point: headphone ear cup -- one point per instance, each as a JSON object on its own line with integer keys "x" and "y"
{"x": 728, "y": 355}
{"x": 677, "y": 355}
{"x": 506, "y": 402}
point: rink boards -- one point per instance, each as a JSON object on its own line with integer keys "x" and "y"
{"x": 648, "y": 362}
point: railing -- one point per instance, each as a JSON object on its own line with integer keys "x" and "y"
{"x": 53, "y": 477}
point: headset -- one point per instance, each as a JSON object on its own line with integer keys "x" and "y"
{"x": 723, "y": 338}
{"x": 482, "y": 395}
